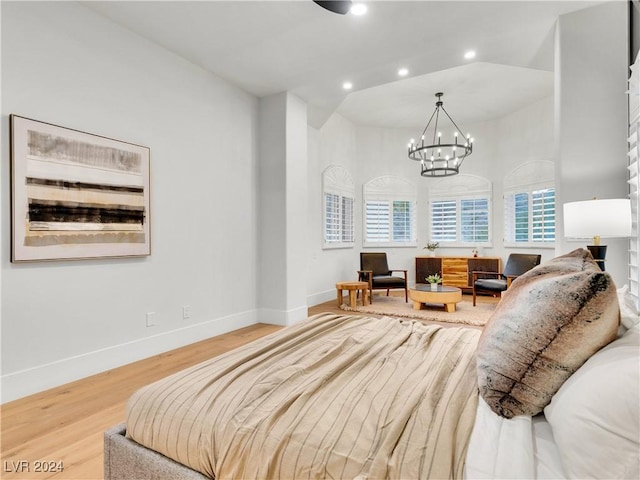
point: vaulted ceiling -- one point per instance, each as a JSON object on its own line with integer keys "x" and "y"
{"x": 267, "y": 47}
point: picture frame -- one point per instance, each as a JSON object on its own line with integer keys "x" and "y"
{"x": 76, "y": 195}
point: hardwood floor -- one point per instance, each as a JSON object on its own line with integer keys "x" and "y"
{"x": 64, "y": 426}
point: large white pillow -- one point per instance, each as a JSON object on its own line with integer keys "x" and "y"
{"x": 595, "y": 415}
{"x": 628, "y": 310}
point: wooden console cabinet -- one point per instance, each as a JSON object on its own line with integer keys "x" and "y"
{"x": 455, "y": 271}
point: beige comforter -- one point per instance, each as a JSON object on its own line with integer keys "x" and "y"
{"x": 331, "y": 397}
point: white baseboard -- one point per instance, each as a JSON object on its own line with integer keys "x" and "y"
{"x": 26, "y": 382}
{"x": 321, "y": 297}
{"x": 282, "y": 317}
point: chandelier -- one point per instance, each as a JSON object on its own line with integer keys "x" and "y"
{"x": 440, "y": 159}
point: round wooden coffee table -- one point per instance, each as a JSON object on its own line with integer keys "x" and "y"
{"x": 448, "y": 296}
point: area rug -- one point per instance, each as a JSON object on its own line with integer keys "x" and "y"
{"x": 392, "y": 306}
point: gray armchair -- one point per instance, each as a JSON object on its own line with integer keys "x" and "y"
{"x": 495, "y": 283}
{"x": 375, "y": 271}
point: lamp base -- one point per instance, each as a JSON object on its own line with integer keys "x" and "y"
{"x": 599, "y": 252}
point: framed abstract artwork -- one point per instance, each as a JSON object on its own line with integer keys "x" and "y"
{"x": 76, "y": 195}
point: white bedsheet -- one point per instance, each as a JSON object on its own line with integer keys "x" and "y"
{"x": 517, "y": 448}
{"x": 548, "y": 463}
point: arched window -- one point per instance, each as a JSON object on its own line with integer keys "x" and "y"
{"x": 460, "y": 211}
{"x": 338, "y": 192}
{"x": 530, "y": 205}
{"x": 389, "y": 212}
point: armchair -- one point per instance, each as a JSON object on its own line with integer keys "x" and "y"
{"x": 496, "y": 282}
{"x": 375, "y": 271}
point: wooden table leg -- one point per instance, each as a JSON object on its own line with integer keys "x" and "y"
{"x": 417, "y": 305}
{"x": 352, "y": 298}
{"x": 339, "y": 296}
{"x": 450, "y": 307}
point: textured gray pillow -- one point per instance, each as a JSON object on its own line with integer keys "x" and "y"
{"x": 547, "y": 324}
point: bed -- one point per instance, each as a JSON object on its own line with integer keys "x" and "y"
{"x": 345, "y": 396}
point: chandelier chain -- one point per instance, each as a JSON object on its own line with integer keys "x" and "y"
{"x": 454, "y": 123}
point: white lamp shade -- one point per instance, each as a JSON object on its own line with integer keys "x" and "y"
{"x": 602, "y": 218}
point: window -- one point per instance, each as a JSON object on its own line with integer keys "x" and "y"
{"x": 474, "y": 220}
{"x": 543, "y": 215}
{"x": 338, "y": 204}
{"x": 338, "y": 225}
{"x": 530, "y": 217}
{"x": 530, "y": 206}
{"x": 460, "y": 211}
{"x": 377, "y": 221}
{"x": 402, "y": 220}
{"x": 338, "y": 219}
{"x": 444, "y": 220}
{"x": 517, "y": 207}
{"x": 347, "y": 219}
{"x": 389, "y": 212}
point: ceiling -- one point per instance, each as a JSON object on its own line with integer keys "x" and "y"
{"x": 267, "y": 47}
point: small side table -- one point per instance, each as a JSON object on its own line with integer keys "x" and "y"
{"x": 353, "y": 288}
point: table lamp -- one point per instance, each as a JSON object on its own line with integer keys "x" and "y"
{"x": 597, "y": 219}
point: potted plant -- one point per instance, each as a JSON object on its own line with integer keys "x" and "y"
{"x": 432, "y": 246}
{"x": 434, "y": 280}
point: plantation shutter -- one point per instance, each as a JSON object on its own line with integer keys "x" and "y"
{"x": 460, "y": 211}
{"x": 543, "y": 215}
{"x": 378, "y": 224}
{"x": 402, "y": 221}
{"x": 634, "y": 187}
{"x": 634, "y": 181}
{"x": 529, "y": 205}
{"x": 516, "y": 217}
{"x": 347, "y": 219}
{"x": 338, "y": 203}
{"x": 389, "y": 212}
{"x": 474, "y": 220}
{"x": 332, "y": 217}
{"x": 444, "y": 215}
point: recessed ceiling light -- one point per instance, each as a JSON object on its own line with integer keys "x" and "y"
{"x": 469, "y": 54}
{"x": 358, "y": 9}
{"x": 403, "y": 72}
{"x": 347, "y": 85}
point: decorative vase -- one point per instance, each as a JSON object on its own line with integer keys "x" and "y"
{"x": 434, "y": 286}
{"x": 432, "y": 253}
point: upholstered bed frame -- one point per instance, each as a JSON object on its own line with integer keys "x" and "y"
{"x": 125, "y": 459}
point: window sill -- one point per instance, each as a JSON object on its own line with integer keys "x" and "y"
{"x": 390, "y": 245}
{"x": 477, "y": 246}
{"x": 330, "y": 246}
{"x": 537, "y": 246}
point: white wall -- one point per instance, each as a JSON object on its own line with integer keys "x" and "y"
{"x": 366, "y": 152}
{"x": 591, "y": 116}
{"x": 63, "y": 64}
{"x": 272, "y": 215}
{"x": 282, "y": 194}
